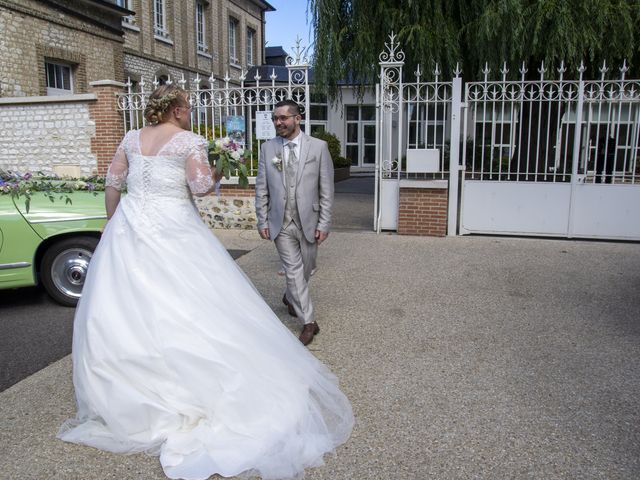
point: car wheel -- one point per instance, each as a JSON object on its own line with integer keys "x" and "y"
{"x": 64, "y": 268}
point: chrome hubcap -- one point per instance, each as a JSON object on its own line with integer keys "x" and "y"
{"x": 69, "y": 271}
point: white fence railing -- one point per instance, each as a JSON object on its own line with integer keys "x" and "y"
{"x": 212, "y": 101}
{"x": 535, "y": 130}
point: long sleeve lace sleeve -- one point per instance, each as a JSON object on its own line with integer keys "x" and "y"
{"x": 197, "y": 168}
{"x": 119, "y": 167}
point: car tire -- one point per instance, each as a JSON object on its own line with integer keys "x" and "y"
{"x": 64, "y": 268}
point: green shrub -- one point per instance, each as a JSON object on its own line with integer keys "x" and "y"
{"x": 341, "y": 162}
{"x": 333, "y": 143}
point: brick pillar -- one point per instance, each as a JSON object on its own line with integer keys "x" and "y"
{"x": 423, "y": 208}
{"x": 108, "y": 120}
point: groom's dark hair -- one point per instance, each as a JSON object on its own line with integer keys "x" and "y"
{"x": 295, "y": 108}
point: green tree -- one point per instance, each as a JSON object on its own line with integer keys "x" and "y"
{"x": 350, "y": 34}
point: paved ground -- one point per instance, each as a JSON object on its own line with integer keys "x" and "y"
{"x": 471, "y": 357}
{"x": 353, "y": 206}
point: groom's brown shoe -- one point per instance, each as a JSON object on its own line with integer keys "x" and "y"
{"x": 308, "y": 332}
{"x": 292, "y": 311}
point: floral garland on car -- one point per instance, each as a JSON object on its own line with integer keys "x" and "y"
{"x": 51, "y": 186}
{"x": 227, "y": 156}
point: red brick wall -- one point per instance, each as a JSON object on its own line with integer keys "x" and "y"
{"x": 109, "y": 125}
{"x": 236, "y": 191}
{"x": 423, "y": 211}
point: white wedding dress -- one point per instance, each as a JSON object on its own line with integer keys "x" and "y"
{"x": 176, "y": 354}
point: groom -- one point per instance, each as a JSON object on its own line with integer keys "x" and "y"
{"x": 294, "y": 197}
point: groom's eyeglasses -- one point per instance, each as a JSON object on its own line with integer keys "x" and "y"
{"x": 282, "y": 118}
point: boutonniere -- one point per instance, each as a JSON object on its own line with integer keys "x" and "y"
{"x": 277, "y": 161}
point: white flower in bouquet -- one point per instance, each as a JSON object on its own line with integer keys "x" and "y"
{"x": 228, "y": 156}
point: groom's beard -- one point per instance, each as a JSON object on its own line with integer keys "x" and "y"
{"x": 288, "y": 131}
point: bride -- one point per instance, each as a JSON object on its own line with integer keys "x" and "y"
{"x": 175, "y": 353}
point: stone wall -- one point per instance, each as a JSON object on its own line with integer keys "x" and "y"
{"x": 50, "y": 134}
{"x": 235, "y": 208}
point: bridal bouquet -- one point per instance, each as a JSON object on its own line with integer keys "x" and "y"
{"x": 26, "y": 185}
{"x": 228, "y": 156}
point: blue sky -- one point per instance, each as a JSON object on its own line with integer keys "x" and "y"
{"x": 288, "y": 21}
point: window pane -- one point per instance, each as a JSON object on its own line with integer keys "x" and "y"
{"x": 318, "y": 112}
{"x": 317, "y": 128}
{"x": 412, "y": 134}
{"x": 66, "y": 75}
{"x": 200, "y": 24}
{"x": 233, "y": 56}
{"x": 368, "y": 112}
{"x": 352, "y": 112}
{"x": 159, "y": 16}
{"x": 352, "y": 154}
{"x": 352, "y": 132}
{"x": 624, "y": 137}
{"x": 51, "y": 75}
{"x": 437, "y": 112}
{"x": 369, "y": 134}
{"x": 59, "y": 81}
{"x": 369, "y": 154}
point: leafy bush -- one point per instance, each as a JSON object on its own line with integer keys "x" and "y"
{"x": 341, "y": 162}
{"x": 334, "y": 146}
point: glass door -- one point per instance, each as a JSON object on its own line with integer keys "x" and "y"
{"x": 361, "y": 135}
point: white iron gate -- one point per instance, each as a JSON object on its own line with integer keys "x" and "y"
{"x": 543, "y": 157}
{"x": 416, "y": 138}
{"x": 552, "y": 158}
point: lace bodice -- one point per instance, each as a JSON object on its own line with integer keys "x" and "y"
{"x": 179, "y": 166}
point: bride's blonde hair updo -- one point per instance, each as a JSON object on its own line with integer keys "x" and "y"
{"x": 161, "y": 101}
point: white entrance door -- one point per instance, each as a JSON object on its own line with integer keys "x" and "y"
{"x": 361, "y": 135}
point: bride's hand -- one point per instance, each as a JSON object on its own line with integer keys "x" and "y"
{"x": 217, "y": 176}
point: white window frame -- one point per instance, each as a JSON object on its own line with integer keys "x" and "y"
{"x": 360, "y": 144}
{"x": 428, "y": 124}
{"x": 59, "y": 73}
{"x": 233, "y": 41}
{"x": 201, "y": 28}
{"x": 251, "y": 36}
{"x": 160, "y": 19}
{"x": 493, "y": 123}
{"x": 130, "y": 20}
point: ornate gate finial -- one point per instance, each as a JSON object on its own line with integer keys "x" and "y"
{"x": 392, "y": 53}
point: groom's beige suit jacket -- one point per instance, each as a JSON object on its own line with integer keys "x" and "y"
{"x": 314, "y": 187}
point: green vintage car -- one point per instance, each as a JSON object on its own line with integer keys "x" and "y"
{"x": 52, "y": 244}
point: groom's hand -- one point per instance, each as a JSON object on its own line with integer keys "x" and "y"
{"x": 321, "y": 236}
{"x": 264, "y": 233}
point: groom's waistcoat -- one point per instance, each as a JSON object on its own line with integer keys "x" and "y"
{"x": 291, "y": 205}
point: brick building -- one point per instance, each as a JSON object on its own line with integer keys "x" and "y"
{"x": 58, "y": 47}
{"x": 62, "y": 61}
{"x": 53, "y": 47}
{"x": 174, "y": 38}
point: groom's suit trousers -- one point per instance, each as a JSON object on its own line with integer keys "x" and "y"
{"x": 298, "y": 257}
